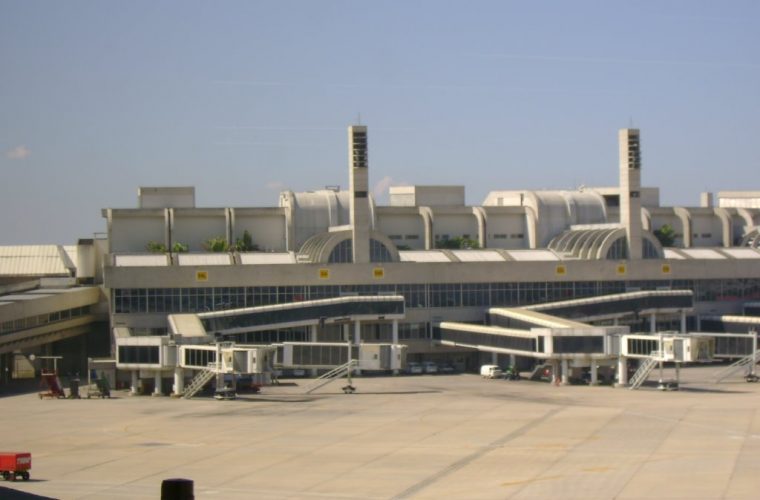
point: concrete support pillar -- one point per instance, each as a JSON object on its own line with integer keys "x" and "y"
{"x": 179, "y": 381}
{"x": 622, "y": 372}
{"x": 556, "y": 373}
{"x": 494, "y": 358}
{"x": 133, "y": 388}
{"x": 313, "y": 332}
{"x": 513, "y": 361}
{"x": 157, "y": 384}
{"x": 394, "y": 338}
{"x": 615, "y": 321}
{"x": 357, "y": 340}
{"x": 653, "y": 323}
{"x": 594, "y": 373}
{"x": 347, "y": 339}
{"x": 565, "y": 372}
{"x": 683, "y": 321}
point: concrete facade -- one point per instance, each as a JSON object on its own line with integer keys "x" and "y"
{"x": 529, "y": 247}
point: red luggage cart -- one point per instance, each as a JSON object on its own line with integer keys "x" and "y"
{"x": 15, "y": 464}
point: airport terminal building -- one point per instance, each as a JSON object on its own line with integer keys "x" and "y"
{"x": 449, "y": 261}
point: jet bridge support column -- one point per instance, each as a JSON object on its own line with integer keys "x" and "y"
{"x": 357, "y": 340}
{"x": 157, "y": 383}
{"x": 179, "y": 381}
{"x": 314, "y": 329}
{"x": 394, "y": 338}
{"x": 622, "y": 372}
{"x": 135, "y": 383}
{"x": 594, "y": 373}
{"x": 565, "y": 372}
{"x": 683, "y": 321}
{"x": 653, "y": 323}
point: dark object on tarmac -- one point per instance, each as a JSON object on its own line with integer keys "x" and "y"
{"x": 177, "y": 489}
{"x": 53, "y": 384}
{"x": 512, "y": 374}
{"x": 74, "y": 388}
{"x": 15, "y": 464}
{"x": 225, "y": 394}
{"x": 104, "y": 388}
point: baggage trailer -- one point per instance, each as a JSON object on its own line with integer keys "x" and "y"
{"x": 15, "y": 464}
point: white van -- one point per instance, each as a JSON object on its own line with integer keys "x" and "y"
{"x": 490, "y": 371}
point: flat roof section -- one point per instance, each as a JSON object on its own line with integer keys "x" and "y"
{"x": 264, "y": 258}
{"x": 423, "y": 256}
{"x": 741, "y": 253}
{"x": 532, "y": 255}
{"x": 478, "y": 255}
{"x": 204, "y": 259}
{"x": 702, "y": 253}
{"x": 148, "y": 260}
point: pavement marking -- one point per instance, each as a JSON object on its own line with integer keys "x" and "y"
{"x": 680, "y": 421}
{"x": 531, "y": 480}
{"x": 459, "y": 464}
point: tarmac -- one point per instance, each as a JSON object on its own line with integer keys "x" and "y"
{"x": 425, "y": 436}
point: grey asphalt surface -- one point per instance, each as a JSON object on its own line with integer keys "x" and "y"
{"x": 452, "y": 436}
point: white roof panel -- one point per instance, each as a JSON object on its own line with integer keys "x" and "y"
{"x": 672, "y": 254}
{"x": 423, "y": 256}
{"x": 147, "y": 260}
{"x": 267, "y": 258}
{"x": 204, "y": 259}
{"x": 532, "y": 255}
{"x": 741, "y": 253}
{"x": 187, "y": 325}
{"x": 478, "y": 255}
{"x": 33, "y": 260}
{"x": 702, "y": 253}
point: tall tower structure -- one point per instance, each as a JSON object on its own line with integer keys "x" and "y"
{"x": 358, "y": 172}
{"x": 630, "y": 189}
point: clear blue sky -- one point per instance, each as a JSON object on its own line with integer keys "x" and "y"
{"x": 243, "y": 99}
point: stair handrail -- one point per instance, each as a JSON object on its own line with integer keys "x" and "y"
{"x": 644, "y": 370}
{"x": 331, "y": 376}
{"x": 737, "y": 365}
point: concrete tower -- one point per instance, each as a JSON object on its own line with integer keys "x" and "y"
{"x": 630, "y": 189}
{"x": 358, "y": 172}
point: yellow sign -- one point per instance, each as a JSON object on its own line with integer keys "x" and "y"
{"x": 324, "y": 274}
{"x": 201, "y": 275}
{"x": 666, "y": 269}
{"x": 560, "y": 270}
{"x": 621, "y": 269}
{"x": 378, "y": 273}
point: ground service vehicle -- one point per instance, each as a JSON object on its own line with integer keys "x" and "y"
{"x": 429, "y": 367}
{"x": 15, "y": 464}
{"x": 490, "y": 371}
{"x": 413, "y": 368}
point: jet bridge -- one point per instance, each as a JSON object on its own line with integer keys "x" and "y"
{"x": 194, "y": 340}
{"x": 565, "y": 345}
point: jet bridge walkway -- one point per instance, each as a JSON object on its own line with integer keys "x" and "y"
{"x": 620, "y": 305}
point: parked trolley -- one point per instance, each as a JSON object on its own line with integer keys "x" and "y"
{"x": 14, "y": 465}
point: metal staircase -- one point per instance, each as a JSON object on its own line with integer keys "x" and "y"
{"x": 538, "y": 372}
{"x": 733, "y": 368}
{"x": 199, "y": 381}
{"x": 330, "y": 376}
{"x": 643, "y": 372}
